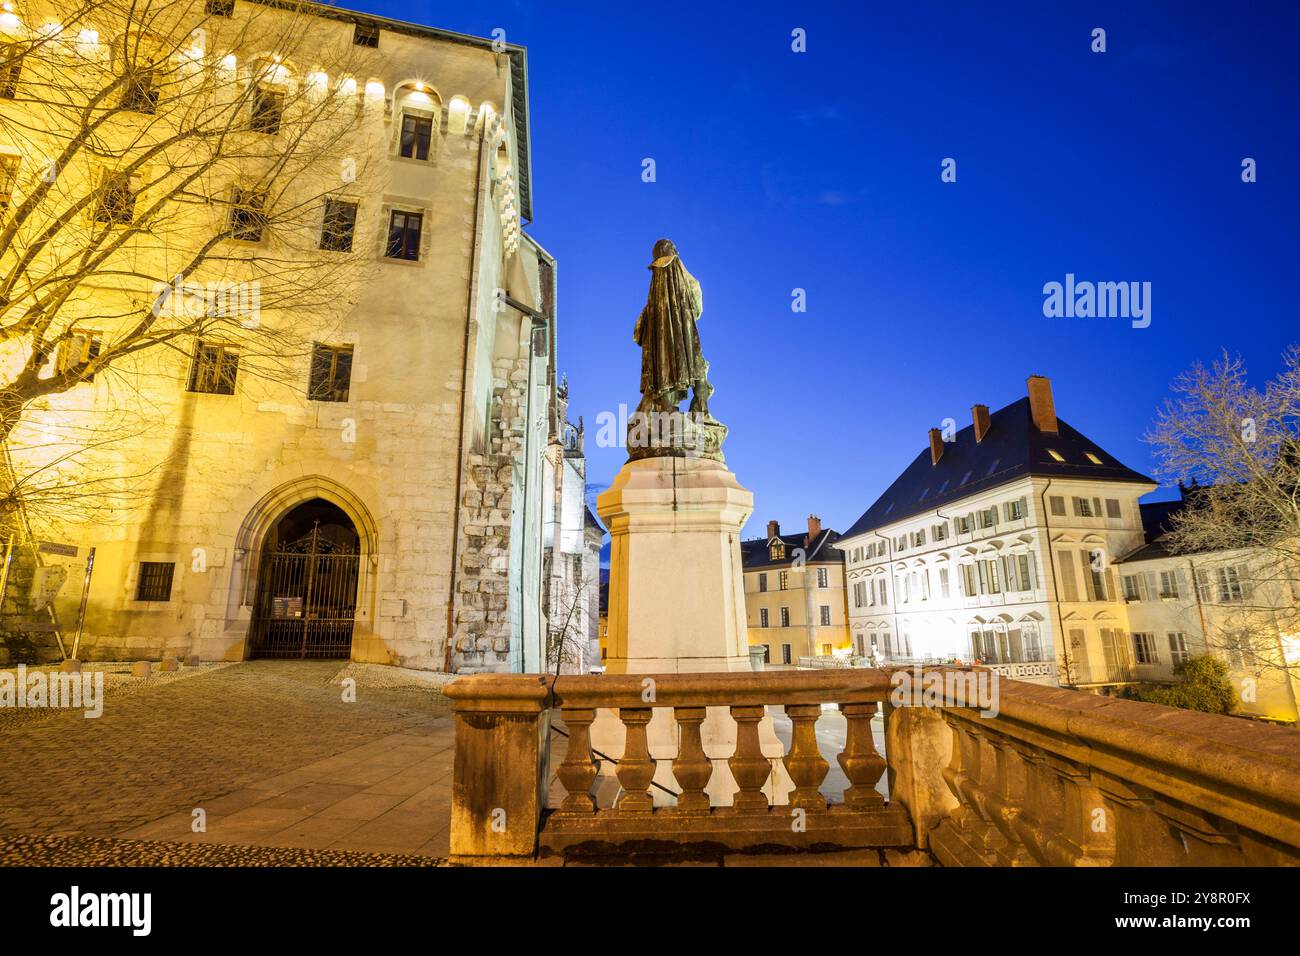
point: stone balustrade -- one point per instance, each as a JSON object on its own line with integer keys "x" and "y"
{"x": 1065, "y": 778}
{"x": 750, "y": 819}
{"x": 1046, "y": 777}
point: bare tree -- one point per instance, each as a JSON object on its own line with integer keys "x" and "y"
{"x": 1236, "y": 450}
{"x": 178, "y": 183}
{"x": 568, "y": 640}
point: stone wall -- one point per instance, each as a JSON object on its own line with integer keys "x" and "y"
{"x": 482, "y": 601}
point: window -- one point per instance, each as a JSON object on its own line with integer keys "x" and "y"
{"x": 247, "y": 215}
{"x": 962, "y": 523}
{"x": 1144, "y": 648}
{"x": 767, "y": 653}
{"x": 268, "y": 110}
{"x": 116, "y": 200}
{"x": 404, "y": 235}
{"x": 762, "y": 582}
{"x": 140, "y": 94}
{"x": 331, "y": 373}
{"x": 1170, "y": 584}
{"x": 968, "y": 580}
{"x": 989, "y": 577}
{"x": 785, "y": 617}
{"x": 1131, "y": 588}
{"x": 78, "y": 348}
{"x": 918, "y": 539}
{"x": 884, "y": 593}
{"x": 825, "y": 615}
{"x": 860, "y": 594}
{"x": 339, "y": 226}
{"x": 1056, "y": 455}
{"x": 366, "y": 34}
{"x": 987, "y": 517}
{"x": 762, "y": 617}
{"x": 155, "y": 581}
{"x": 1082, "y": 508}
{"x": 1096, "y": 561}
{"x": 214, "y": 368}
{"x": 10, "y": 69}
{"x": 1112, "y": 508}
{"x": 783, "y": 580}
{"x": 785, "y": 653}
{"x": 823, "y": 578}
{"x": 944, "y": 589}
{"x": 220, "y": 8}
{"x": 1057, "y": 503}
{"x": 827, "y": 650}
{"x": 1092, "y": 458}
{"x": 1178, "y": 647}
{"x": 417, "y": 131}
{"x": 9, "y": 165}
{"x": 777, "y": 551}
{"x": 940, "y": 532}
{"x": 1220, "y": 585}
{"x": 1015, "y": 509}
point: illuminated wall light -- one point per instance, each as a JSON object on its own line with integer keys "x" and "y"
{"x": 317, "y": 83}
{"x": 50, "y": 29}
{"x": 228, "y": 63}
{"x": 88, "y": 39}
{"x": 348, "y": 86}
{"x": 9, "y": 21}
{"x": 374, "y": 90}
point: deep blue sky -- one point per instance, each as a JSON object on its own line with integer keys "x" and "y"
{"x": 820, "y": 170}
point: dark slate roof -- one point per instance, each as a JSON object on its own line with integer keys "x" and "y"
{"x": 756, "y": 552}
{"x": 1013, "y": 448}
{"x": 590, "y": 521}
{"x": 1156, "y": 521}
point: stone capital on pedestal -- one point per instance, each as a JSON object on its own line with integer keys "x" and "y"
{"x": 676, "y": 588}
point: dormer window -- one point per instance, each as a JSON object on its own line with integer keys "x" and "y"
{"x": 1093, "y": 458}
{"x": 1056, "y": 455}
{"x": 778, "y": 551}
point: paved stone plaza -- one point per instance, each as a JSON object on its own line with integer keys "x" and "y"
{"x": 268, "y": 749}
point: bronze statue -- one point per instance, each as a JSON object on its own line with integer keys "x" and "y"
{"x": 672, "y": 362}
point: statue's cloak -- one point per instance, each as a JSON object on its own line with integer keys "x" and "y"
{"x": 671, "y": 357}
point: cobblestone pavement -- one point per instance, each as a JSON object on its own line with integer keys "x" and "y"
{"x": 269, "y": 750}
{"x": 98, "y": 851}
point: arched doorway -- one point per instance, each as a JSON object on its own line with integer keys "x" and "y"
{"x": 306, "y": 597}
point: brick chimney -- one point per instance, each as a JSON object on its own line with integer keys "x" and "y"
{"x": 1041, "y": 407}
{"x": 773, "y": 530}
{"x": 936, "y": 446}
{"x": 980, "y": 416}
{"x": 814, "y": 529}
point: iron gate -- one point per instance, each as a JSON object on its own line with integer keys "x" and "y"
{"x": 306, "y": 599}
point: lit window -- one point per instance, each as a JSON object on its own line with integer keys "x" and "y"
{"x": 1093, "y": 458}
{"x": 1056, "y": 455}
{"x": 417, "y": 131}
{"x": 366, "y": 35}
{"x": 116, "y": 200}
{"x": 339, "y": 225}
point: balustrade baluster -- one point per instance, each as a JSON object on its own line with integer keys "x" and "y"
{"x": 859, "y": 759}
{"x": 804, "y": 762}
{"x": 692, "y": 768}
{"x": 748, "y": 765}
{"x": 635, "y": 768}
{"x": 578, "y": 772}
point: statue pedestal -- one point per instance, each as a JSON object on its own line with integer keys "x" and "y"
{"x": 676, "y": 590}
{"x": 676, "y": 601}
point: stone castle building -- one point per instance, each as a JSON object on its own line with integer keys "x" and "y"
{"x": 386, "y": 498}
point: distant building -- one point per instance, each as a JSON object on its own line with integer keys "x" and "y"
{"x": 794, "y": 593}
{"x": 1180, "y": 605}
{"x": 571, "y": 543}
{"x": 996, "y": 544}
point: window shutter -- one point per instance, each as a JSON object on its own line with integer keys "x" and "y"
{"x": 1088, "y": 588}
{"x": 1071, "y": 587}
